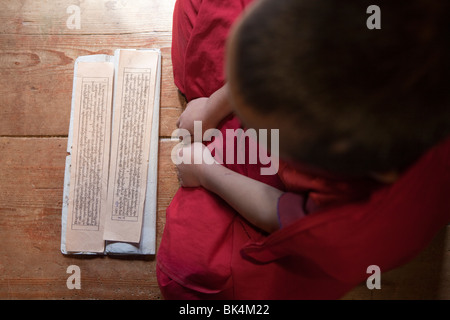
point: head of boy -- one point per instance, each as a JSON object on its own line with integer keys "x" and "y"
{"x": 346, "y": 98}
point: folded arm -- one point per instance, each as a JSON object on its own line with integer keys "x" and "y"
{"x": 254, "y": 200}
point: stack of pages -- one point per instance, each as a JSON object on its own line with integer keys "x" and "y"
{"x": 110, "y": 184}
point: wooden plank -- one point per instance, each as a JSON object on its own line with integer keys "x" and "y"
{"x": 37, "y": 74}
{"x": 31, "y": 265}
{"x": 37, "y": 53}
{"x": 167, "y": 184}
{"x": 96, "y": 17}
{"x": 169, "y": 117}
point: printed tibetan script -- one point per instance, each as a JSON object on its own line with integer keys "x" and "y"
{"x": 90, "y": 156}
{"x": 130, "y": 147}
{"x": 110, "y": 150}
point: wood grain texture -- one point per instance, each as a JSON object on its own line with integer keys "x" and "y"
{"x": 37, "y": 55}
{"x": 96, "y": 17}
{"x": 31, "y": 265}
{"x": 37, "y": 78}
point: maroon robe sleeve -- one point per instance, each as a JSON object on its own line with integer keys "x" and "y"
{"x": 291, "y": 207}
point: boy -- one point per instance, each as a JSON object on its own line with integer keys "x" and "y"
{"x": 364, "y": 174}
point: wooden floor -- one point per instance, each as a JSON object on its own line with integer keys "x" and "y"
{"x": 37, "y": 53}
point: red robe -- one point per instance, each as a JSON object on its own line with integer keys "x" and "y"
{"x": 208, "y": 251}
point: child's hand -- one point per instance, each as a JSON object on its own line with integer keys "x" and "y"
{"x": 197, "y": 110}
{"x": 196, "y": 158}
{"x": 211, "y": 111}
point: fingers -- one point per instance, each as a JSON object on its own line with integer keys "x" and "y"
{"x": 183, "y": 123}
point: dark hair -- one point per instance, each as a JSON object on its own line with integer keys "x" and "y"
{"x": 370, "y": 100}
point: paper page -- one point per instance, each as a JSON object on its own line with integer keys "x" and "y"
{"x": 90, "y": 156}
{"x": 130, "y": 144}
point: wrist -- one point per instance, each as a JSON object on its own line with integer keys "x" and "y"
{"x": 219, "y": 104}
{"x": 207, "y": 173}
